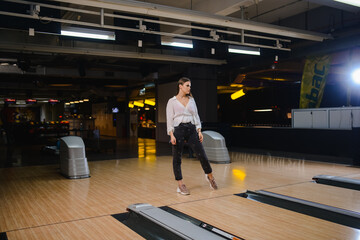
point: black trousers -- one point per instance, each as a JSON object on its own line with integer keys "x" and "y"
{"x": 186, "y": 132}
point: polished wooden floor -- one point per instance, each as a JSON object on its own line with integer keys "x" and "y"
{"x": 36, "y": 202}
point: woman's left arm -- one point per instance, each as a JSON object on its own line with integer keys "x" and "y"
{"x": 201, "y": 138}
{"x": 197, "y": 122}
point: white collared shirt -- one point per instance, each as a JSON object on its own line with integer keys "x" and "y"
{"x": 177, "y": 113}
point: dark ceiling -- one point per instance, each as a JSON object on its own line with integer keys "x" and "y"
{"x": 50, "y": 65}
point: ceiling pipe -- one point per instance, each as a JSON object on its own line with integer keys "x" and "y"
{"x": 148, "y": 9}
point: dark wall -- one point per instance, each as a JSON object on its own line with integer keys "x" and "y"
{"x": 241, "y": 111}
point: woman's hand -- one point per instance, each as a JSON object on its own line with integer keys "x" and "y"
{"x": 200, "y": 136}
{"x": 173, "y": 139}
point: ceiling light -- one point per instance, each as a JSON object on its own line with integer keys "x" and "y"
{"x": 60, "y": 85}
{"x": 115, "y": 86}
{"x": 20, "y": 102}
{"x": 87, "y": 33}
{"x": 244, "y": 50}
{"x": 275, "y": 79}
{"x": 263, "y": 110}
{"x": 356, "y": 76}
{"x": 237, "y": 94}
{"x": 149, "y": 102}
{"x": 355, "y": 3}
{"x": 177, "y": 42}
{"x": 85, "y": 100}
{"x": 131, "y": 105}
{"x": 236, "y": 85}
{"x": 139, "y": 104}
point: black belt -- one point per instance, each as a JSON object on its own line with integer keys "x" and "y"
{"x": 188, "y": 123}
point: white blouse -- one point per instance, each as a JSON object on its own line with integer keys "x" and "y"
{"x": 177, "y": 113}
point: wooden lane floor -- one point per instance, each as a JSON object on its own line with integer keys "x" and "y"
{"x": 356, "y": 176}
{"x": 254, "y": 220}
{"x": 36, "y": 196}
{"x": 329, "y": 195}
{"x": 105, "y": 227}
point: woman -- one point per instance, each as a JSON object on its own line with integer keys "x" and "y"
{"x": 183, "y": 124}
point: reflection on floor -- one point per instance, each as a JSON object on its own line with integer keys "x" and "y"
{"x": 146, "y": 149}
{"x": 31, "y": 154}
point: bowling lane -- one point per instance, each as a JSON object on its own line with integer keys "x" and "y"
{"x": 329, "y": 195}
{"x": 105, "y": 227}
{"x": 356, "y": 176}
{"x": 254, "y": 220}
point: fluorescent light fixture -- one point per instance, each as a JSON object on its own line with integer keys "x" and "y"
{"x": 60, "y": 85}
{"x": 87, "y": 33}
{"x": 177, "y": 42}
{"x": 244, "y": 50}
{"x": 275, "y": 79}
{"x": 356, "y": 76}
{"x": 20, "y": 102}
{"x": 149, "y": 102}
{"x": 237, "y": 94}
{"x": 263, "y": 110}
{"x": 139, "y": 104}
{"x": 355, "y": 3}
{"x": 236, "y": 85}
{"x": 85, "y": 100}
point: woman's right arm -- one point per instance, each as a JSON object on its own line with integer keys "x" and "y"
{"x": 172, "y": 138}
{"x": 170, "y": 121}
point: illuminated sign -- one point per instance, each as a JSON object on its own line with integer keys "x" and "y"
{"x": 115, "y": 110}
{"x": 31, "y": 101}
{"x": 10, "y": 100}
{"x": 53, "y": 101}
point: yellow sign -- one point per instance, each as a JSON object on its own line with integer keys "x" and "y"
{"x": 313, "y": 81}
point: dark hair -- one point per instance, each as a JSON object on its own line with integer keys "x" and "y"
{"x": 181, "y": 82}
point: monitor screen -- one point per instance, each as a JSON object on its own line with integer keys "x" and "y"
{"x": 115, "y": 110}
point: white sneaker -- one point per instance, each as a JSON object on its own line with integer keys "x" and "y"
{"x": 212, "y": 182}
{"x": 183, "y": 190}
